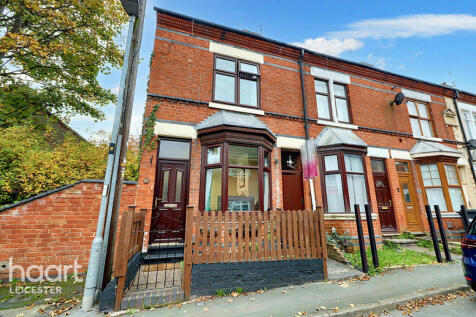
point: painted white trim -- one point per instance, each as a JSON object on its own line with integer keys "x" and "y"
{"x": 330, "y": 75}
{"x": 338, "y": 124}
{"x": 462, "y": 161}
{"x": 235, "y": 108}
{"x": 175, "y": 130}
{"x": 236, "y": 52}
{"x": 412, "y": 94}
{"x": 289, "y": 143}
{"x": 429, "y": 138}
{"x": 466, "y": 106}
{"x": 400, "y": 154}
{"x": 347, "y": 216}
{"x": 447, "y": 215}
{"x": 377, "y": 152}
{"x": 436, "y": 153}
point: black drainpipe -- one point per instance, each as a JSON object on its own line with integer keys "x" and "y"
{"x": 303, "y": 94}
{"x": 455, "y": 102}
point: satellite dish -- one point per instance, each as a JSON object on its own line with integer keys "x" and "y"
{"x": 398, "y": 99}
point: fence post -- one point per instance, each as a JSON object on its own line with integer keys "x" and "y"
{"x": 373, "y": 244}
{"x": 187, "y": 259}
{"x": 436, "y": 246}
{"x": 464, "y": 217}
{"x": 363, "y": 254}
{"x": 323, "y": 239}
{"x": 442, "y": 234}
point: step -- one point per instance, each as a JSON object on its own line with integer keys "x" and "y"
{"x": 401, "y": 241}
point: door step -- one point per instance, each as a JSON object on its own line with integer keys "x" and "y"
{"x": 164, "y": 253}
{"x": 400, "y": 241}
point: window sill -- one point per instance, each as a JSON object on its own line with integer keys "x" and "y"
{"x": 347, "y": 216}
{"x": 429, "y": 138}
{"x": 338, "y": 124}
{"x": 235, "y": 108}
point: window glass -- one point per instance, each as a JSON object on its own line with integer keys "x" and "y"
{"x": 430, "y": 175}
{"x": 331, "y": 163}
{"x": 253, "y": 69}
{"x": 422, "y": 110}
{"x": 456, "y": 198}
{"x": 402, "y": 167}
{"x": 378, "y": 165}
{"x": 339, "y": 90}
{"x": 323, "y": 107}
{"x": 266, "y": 159}
{"x": 334, "y": 193}
{"x": 406, "y": 193}
{"x": 178, "y": 186}
{"x": 243, "y": 189}
{"x": 266, "y": 190}
{"x": 426, "y": 128}
{"x": 415, "y": 127}
{"x": 411, "y": 108}
{"x": 357, "y": 191}
{"x": 214, "y": 155}
{"x": 213, "y": 182}
{"x": 174, "y": 149}
{"x": 468, "y": 123}
{"x": 226, "y": 65}
{"x": 290, "y": 161}
{"x": 320, "y": 86}
{"x": 451, "y": 175}
{"x": 342, "y": 111}
{"x": 248, "y": 92}
{"x": 224, "y": 88}
{"x": 435, "y": 197}
{"x": 242, "y": 155}
{"x": 353, "y": 163}
{"x": 165, "y": 185}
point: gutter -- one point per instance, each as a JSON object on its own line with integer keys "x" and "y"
{"x": 460, "y": 121}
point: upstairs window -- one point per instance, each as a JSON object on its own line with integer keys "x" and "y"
{"x": 329, "y": 96}
{"x": 236, "y": 82}
{"x": 469, "y": 119}
{"x": 420, "y": 119}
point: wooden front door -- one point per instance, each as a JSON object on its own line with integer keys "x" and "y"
{"x": 384, "y": 196}
{"x": 293, "y": 193}
{"x": 409, "y": 197}
{"x": 168, "y": 213}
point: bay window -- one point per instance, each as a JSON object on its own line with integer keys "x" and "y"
{"x": 236, "y": 82}
{"x": 344, "y": 181}
{"x": 236, "y": 177}
{"x": 442, "y": 186}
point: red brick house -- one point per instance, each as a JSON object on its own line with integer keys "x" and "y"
{"x": 230, "y": 118}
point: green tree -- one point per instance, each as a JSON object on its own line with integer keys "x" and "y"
{"x": 51, "y": 52}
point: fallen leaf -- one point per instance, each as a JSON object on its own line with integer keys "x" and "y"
{"x": 205, "y": 309}
{"x": 230, "y": 300}
{"x": 351, "y": 305}
{"x": 284, "y": 292}
{"x": 336, "y": 309}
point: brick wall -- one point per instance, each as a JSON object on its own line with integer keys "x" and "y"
{"x": 57, "y": 228}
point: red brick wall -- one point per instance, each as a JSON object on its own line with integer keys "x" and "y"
{"x": 55, "y": 229}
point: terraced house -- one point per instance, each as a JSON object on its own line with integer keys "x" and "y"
{"x": 232, "y": 109}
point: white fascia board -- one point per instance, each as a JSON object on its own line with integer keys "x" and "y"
{"x": 430, "y": 154}
{"x": 377, "y": 152}
{"x": 236, "y": 52}
{"x": 412, "y": 94}
{"x": 289, "y": 143}
{"x": 175, "y": 130}
{"x": 400, "y": 155}
{"x": 330, "y": 75}
{"x": 222, "y": 106}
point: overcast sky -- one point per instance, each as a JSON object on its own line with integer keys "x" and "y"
{"x": 433, "y": 40}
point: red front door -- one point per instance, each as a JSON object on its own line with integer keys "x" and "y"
{"x": 384, "y": 197}
{"x": 168, "y": 213}
{"x": 293, "y": 195}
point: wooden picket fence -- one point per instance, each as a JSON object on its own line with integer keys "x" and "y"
{"x": 252, "y": 236}
{"x": 130, "y": 241}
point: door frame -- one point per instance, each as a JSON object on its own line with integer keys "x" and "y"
{"x": 389, "y": 188}
{"x": 411, "y": 175}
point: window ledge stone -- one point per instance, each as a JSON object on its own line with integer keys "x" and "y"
{"x": 338, "y": 124}
{"x": 222, "y": 106}
{"x": 347, "y": 216}
{"x": 428, "y": 138}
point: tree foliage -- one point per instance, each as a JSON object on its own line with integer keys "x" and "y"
{"x": 31, "y": 163}
{"x": 51, "y": 52}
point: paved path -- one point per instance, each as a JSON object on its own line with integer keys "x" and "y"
{"x": 289, "y": 301}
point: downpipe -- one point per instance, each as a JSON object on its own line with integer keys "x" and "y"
{"x": 94, "y": 266}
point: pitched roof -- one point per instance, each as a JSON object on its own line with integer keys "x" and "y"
{"x": 335, "y": 136}
{"x": 426, "y": 148}
{"x": 235, "y": 119}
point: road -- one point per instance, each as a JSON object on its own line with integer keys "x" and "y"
{"x": 461, "y": 306}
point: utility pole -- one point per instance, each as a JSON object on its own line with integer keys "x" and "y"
{"x": 111, "y": 194}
